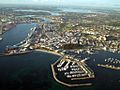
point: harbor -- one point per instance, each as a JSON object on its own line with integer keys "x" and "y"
{"x": 39, "y": 56}
{"x": 41, "y": 62}
{"x": 70, "y": 70}
{"x": 73, "y": 71}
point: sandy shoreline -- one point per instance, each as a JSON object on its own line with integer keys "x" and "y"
{"x": 50, "y": 52}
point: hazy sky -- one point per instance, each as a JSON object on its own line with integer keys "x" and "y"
{"x": 66, "y": 2}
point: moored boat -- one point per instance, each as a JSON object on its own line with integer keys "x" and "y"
{"x": 1, "y": 38}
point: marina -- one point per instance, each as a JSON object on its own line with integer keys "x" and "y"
{"x": 72, "y": 73}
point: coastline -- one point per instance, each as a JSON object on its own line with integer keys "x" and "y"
{"x": 50, "y": 52}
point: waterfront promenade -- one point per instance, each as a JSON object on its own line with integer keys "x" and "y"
{"x": 50, "y": 52}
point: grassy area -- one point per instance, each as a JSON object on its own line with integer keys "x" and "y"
{"x": 72, "y": 46}
{"x": 91, "y": 37}
{"x": 65, "y": 27}
{"x": 114, "y": 24}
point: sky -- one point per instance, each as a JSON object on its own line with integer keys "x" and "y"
{"x": 109, "y": 3}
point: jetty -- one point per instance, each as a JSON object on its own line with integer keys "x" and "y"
{"x": 109, "y": 66}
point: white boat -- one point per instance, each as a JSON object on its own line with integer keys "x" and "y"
{"x": 0, "y": 38}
